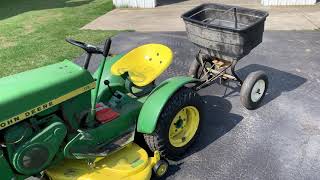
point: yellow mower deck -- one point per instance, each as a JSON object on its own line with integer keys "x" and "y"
{"x": 129, "y": 163}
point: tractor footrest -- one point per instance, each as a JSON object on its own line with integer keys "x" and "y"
{"x": 105, "y": 114}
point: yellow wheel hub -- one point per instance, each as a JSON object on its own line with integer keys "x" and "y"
{"x": 184, "y": 126}
{"x": 162, "y": 170}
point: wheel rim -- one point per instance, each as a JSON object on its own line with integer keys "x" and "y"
{"x": 258, "y": 90}
{"x": 162, "y": 169}
{"x": 184, "y": 126}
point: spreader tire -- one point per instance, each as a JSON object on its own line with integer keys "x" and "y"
{"x": 194, "y": 68}
{"x": 254, "y": 89}
{"x": 178, "y": 125}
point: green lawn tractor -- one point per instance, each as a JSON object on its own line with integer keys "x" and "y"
{"x": 61, "y": 122}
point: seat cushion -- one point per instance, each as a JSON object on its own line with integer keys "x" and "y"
{"x": 144, "y": 64}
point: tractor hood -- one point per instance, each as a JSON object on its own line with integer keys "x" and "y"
{"x": 28, "y": 93}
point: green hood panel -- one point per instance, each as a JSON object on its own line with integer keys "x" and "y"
{"x": 22, "y": 92}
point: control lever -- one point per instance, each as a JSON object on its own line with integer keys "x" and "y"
{"x": 87, "y": 60}
{"x": 107, "y": 83}
{"x": 106, "y": 48}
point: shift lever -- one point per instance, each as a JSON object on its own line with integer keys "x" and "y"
{"x": 107, "y": 83}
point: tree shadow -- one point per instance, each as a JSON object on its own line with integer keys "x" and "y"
{"x": 10, "y": 8}
{"x": 168, "y": 2}
{"x": 279, "y": 81}
{"x": 217, "y": 121}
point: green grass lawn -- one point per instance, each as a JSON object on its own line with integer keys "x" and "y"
{"x": 32, "y": 32}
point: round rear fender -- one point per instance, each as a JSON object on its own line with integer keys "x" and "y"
{"x": 157, "y": 99}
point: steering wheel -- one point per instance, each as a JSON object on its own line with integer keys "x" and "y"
{"x": 90, "y": 49}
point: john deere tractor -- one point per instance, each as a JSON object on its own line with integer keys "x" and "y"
{"x": 62, "y": 122}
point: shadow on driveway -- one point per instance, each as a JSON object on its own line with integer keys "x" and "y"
{"x": 279, "y": 81}
{"x": 217, "y": 122}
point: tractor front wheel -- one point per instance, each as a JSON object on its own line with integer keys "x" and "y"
{"x": 178, "y": 125}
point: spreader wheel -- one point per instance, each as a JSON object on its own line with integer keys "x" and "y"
{"x": 254, "y": 89}
{"x": 178, "y": 125}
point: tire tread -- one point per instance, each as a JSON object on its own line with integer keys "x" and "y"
{"x": 158, "y": 139}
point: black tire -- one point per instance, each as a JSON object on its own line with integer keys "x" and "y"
{"x": 160, "y": 164}
{"x": 195, "y": 69}
{"x": 246, "y": 97}
{"x": 159, "y": 139}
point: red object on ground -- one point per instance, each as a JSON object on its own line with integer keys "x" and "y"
{"x": 105, "y": 114}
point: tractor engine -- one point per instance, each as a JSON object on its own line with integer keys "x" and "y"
{"x": 31, "y": 145}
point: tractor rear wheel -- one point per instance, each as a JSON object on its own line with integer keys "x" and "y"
{"x": 178, "y": 125}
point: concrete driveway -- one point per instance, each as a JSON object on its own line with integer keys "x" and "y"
{"x": 166, "y": 17}
{"x": 281, "y": 139}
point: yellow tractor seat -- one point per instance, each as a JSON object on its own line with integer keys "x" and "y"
{"x": 144, "y": 63}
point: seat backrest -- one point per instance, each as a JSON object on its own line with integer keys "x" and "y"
{"x": 144, "y": 63}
